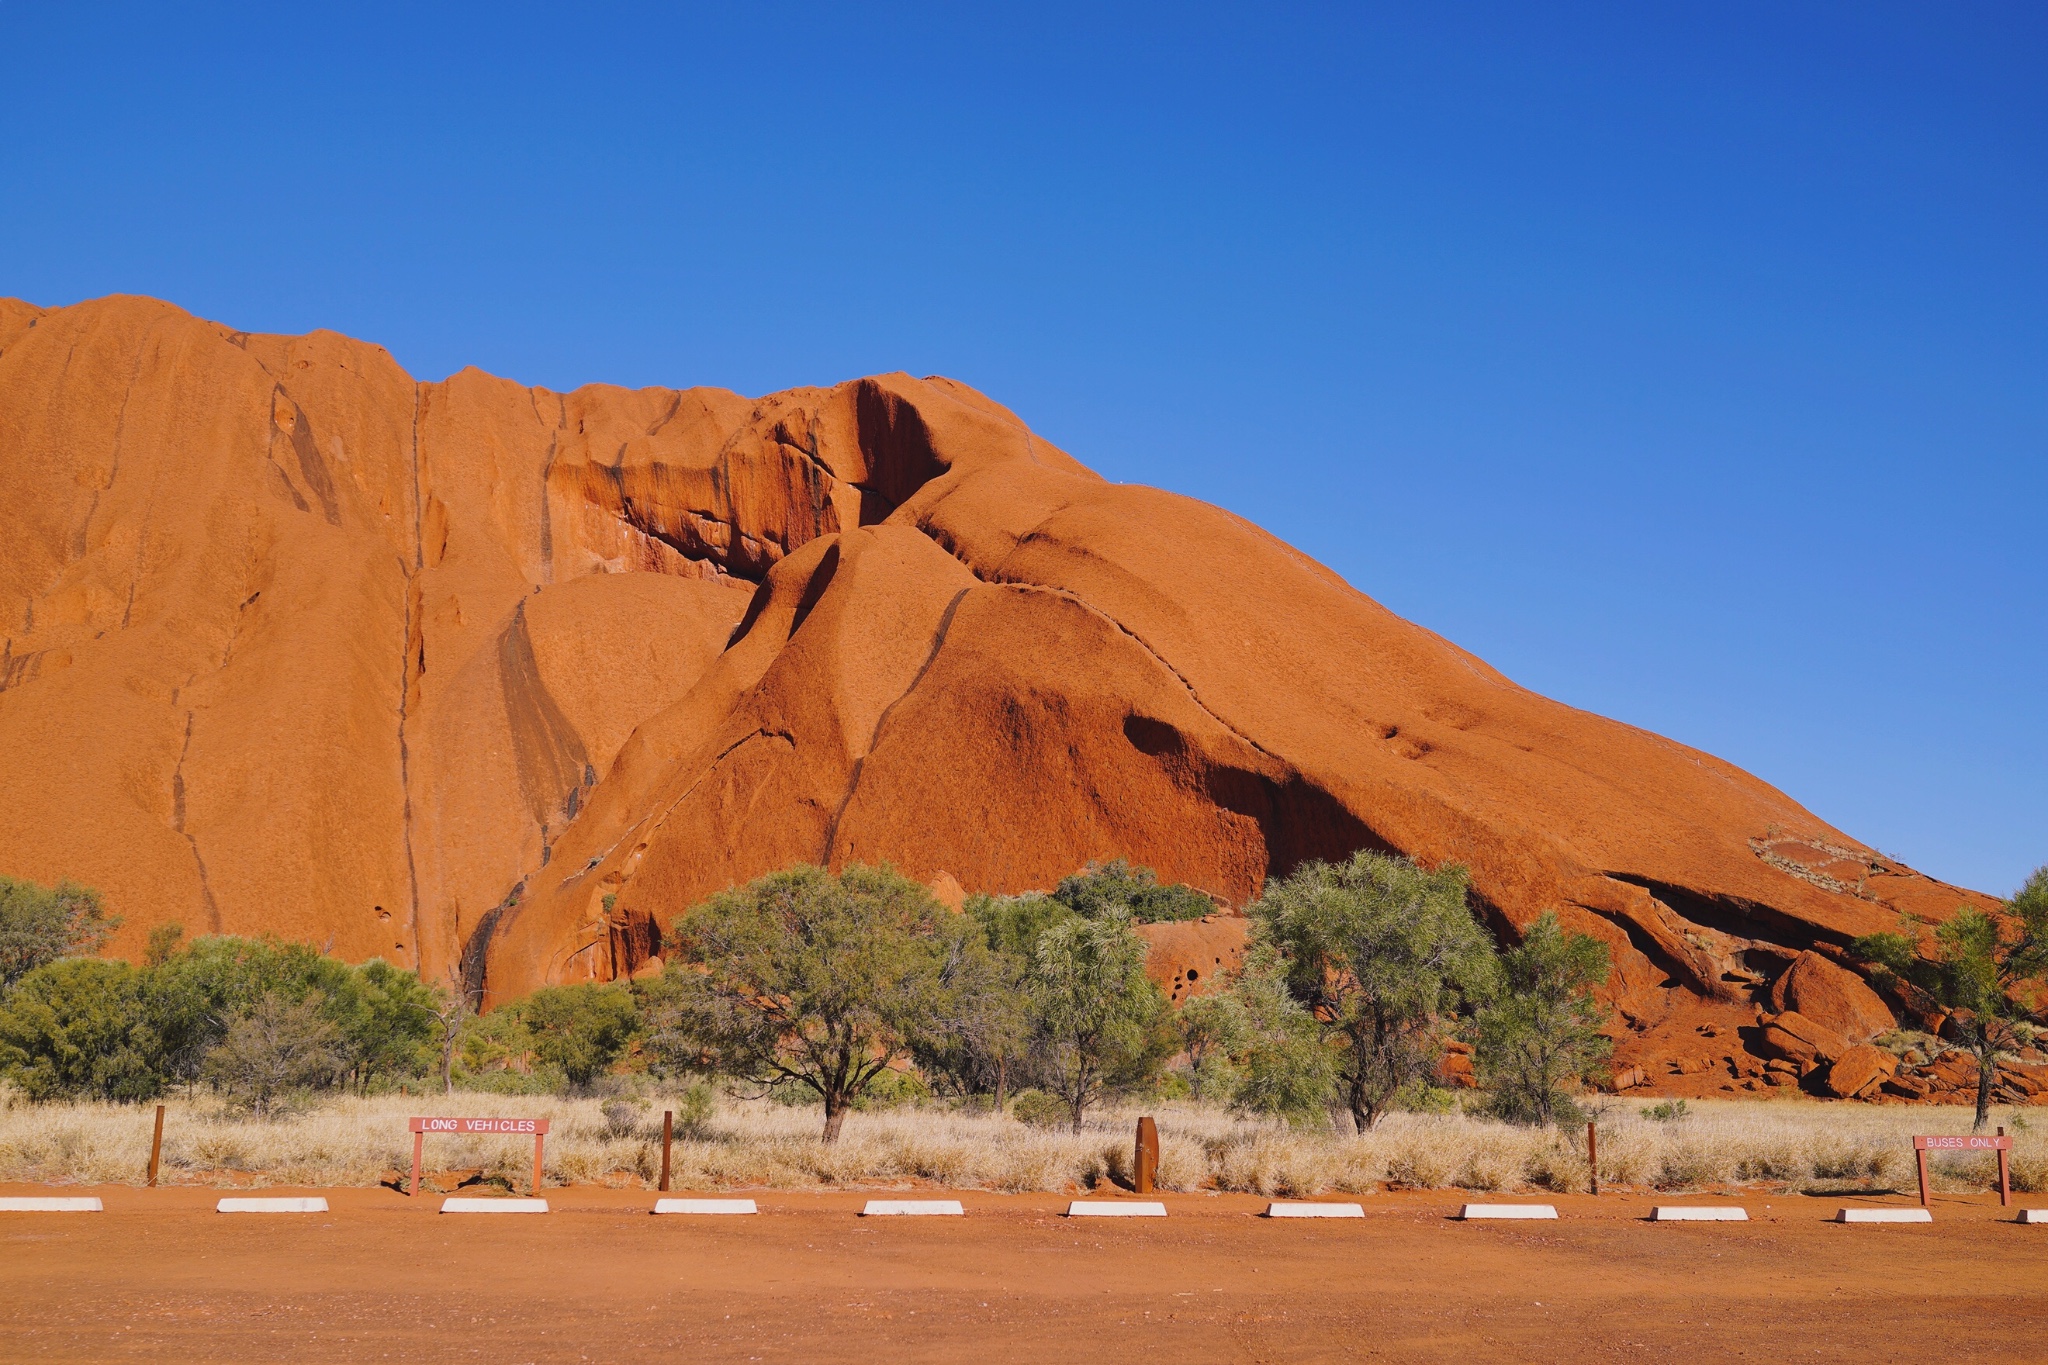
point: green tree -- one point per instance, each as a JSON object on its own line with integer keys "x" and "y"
{"x": 1975, "y": 969}
{"x": 41, "y": 924}
{"x": 1377, "y": 949}
{"x": 275, "y": 1049}
{"x": 1097, "y": 1019}
{"x": 1283, "y": 1064}
{"x": 1103, "y": 888}
{"x": 387, "y": 1022}
{"x": 580, "y": 1030}
{"x": 807, "y": 979}
{"x": 980, "y": 1048}
{"x": 1540, "y": 1036}
{"x": 1213, "y": 1030}
{"x": 80, "y": 1028}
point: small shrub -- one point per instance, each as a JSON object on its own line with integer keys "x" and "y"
{"x": 621, "y": 1120}
{"x": 1037, "y": 1109}
{"x": 1667, "y": 1112}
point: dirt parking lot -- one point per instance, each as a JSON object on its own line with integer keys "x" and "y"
{"x": 160, "y": 1276}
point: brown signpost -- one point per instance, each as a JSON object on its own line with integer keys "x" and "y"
{"x": 668, "y": 1134}
{"x": 2000, "y": 1144}
{"x": 1145, "y": 1166}
{"x": 156, "y": 1145}
{"x": 1593, "y": 1156}
{"x": 536, "y": 1128}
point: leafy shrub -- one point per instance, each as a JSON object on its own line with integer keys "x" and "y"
{"x": 39, "y": 924}
{"x": 1136, "y": 892}
{"x": 81, "y": 1027}
{"x": 275, "y": 1050}
{"x": 580, "y": 1030}
{"x": 1039, "y": 1110}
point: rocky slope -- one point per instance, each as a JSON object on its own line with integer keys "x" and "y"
{"x": 492, "y": 680}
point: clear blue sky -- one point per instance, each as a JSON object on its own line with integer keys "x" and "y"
{"x": 1688, "y": 362}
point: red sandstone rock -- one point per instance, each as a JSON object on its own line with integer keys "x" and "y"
{"x": 1833, "y": 997}
{"x": 470, "y": 674}
{"x": 1188, "y": 958}
{"x": 1794, "y": 1036}
{"x": 1859, "y": 1070}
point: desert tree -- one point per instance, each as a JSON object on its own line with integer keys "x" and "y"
{"x": 40, "y": 924}
{"x": 277, "y": 1048}
{"x": 1976, "y": 968}
{"x": 807, "y": 979}
{"x": 976, "y": 1045}
{"x": 581, "y": 1029}
{"x": 1213, "y": 1030}
{"x": 1097, "y": 1021}
{"x": 1378, "y": 950}
{"x": 1540, "y": 1035}
{"x": 1283, "y": 1065}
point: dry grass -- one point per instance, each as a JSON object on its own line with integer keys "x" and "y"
{"x": 1779, "y": 1144}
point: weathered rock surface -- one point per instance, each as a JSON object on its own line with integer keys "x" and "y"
{"x": 1860, "y": 1070}
{"x": 494, "y": 681}
{"x": 1833, "y": 997}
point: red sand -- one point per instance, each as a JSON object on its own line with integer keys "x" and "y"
{"x": 161, "y": 1277}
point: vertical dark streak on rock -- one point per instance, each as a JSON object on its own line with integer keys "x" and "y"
{"x": 213, "y": 925}
{"x": 405, "y": 681}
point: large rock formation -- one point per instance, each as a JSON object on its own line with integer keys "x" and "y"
{"x": 484, "y": 678}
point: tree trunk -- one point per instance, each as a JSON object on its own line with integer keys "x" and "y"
{"x": 1987, "y": 1066}
{"x": 1002, "y": 1081}
{"x": 835, "y": 1117}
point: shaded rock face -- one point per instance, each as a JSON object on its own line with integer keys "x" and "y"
{"x": 494, "y": 681}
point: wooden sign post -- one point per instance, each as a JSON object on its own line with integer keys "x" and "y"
{"x": 668, "y": 1133}
{"x": 538, "y": 1128}
{"x": 2000, "y": 1144}
{"x": 1593, "y": 1156}
{"x": 156, "y": 1145}
{"x": 1145, "y": 1165}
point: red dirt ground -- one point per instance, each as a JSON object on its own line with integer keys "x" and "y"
{"x": 161, "y": 1277}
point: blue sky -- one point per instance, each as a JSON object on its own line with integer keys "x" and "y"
{"x": 1689, "y": 363}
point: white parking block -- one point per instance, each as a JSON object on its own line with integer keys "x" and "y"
{"x": 1476, "y": 1211}
{"x": 49, "y": 1203}
{"x": 299, "y": 1204}
{"x": 1674, "y": 1213}
{"x": 1885, "y": 1216}
{"x": 1279, "y": 1210}
{"x": 1114, "y": 1208}
{"x": 705, "y": 1206}
{"x": 494, "y": 1205}
{"x": 913, "y": 1208}
{"x": 2032, "y": 1216}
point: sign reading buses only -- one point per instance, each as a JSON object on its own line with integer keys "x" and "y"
{"x": 2001, "y": 1143}
{"x": 507, "y": 1127}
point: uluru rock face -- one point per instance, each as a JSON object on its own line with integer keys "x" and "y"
{"x": 492, "y": 680}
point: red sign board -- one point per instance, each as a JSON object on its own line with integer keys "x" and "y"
{"x": 503, "y": 1127}
{"x": 2001, "y": 1143}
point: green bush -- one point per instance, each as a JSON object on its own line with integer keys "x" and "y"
{"x": 39, "y": 924}
{"x": 1040, "y": 1110}
{"x": 81, "y": 1028}
{"x": 579, "y": 1030}
{"x": 1119, "y": 886}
